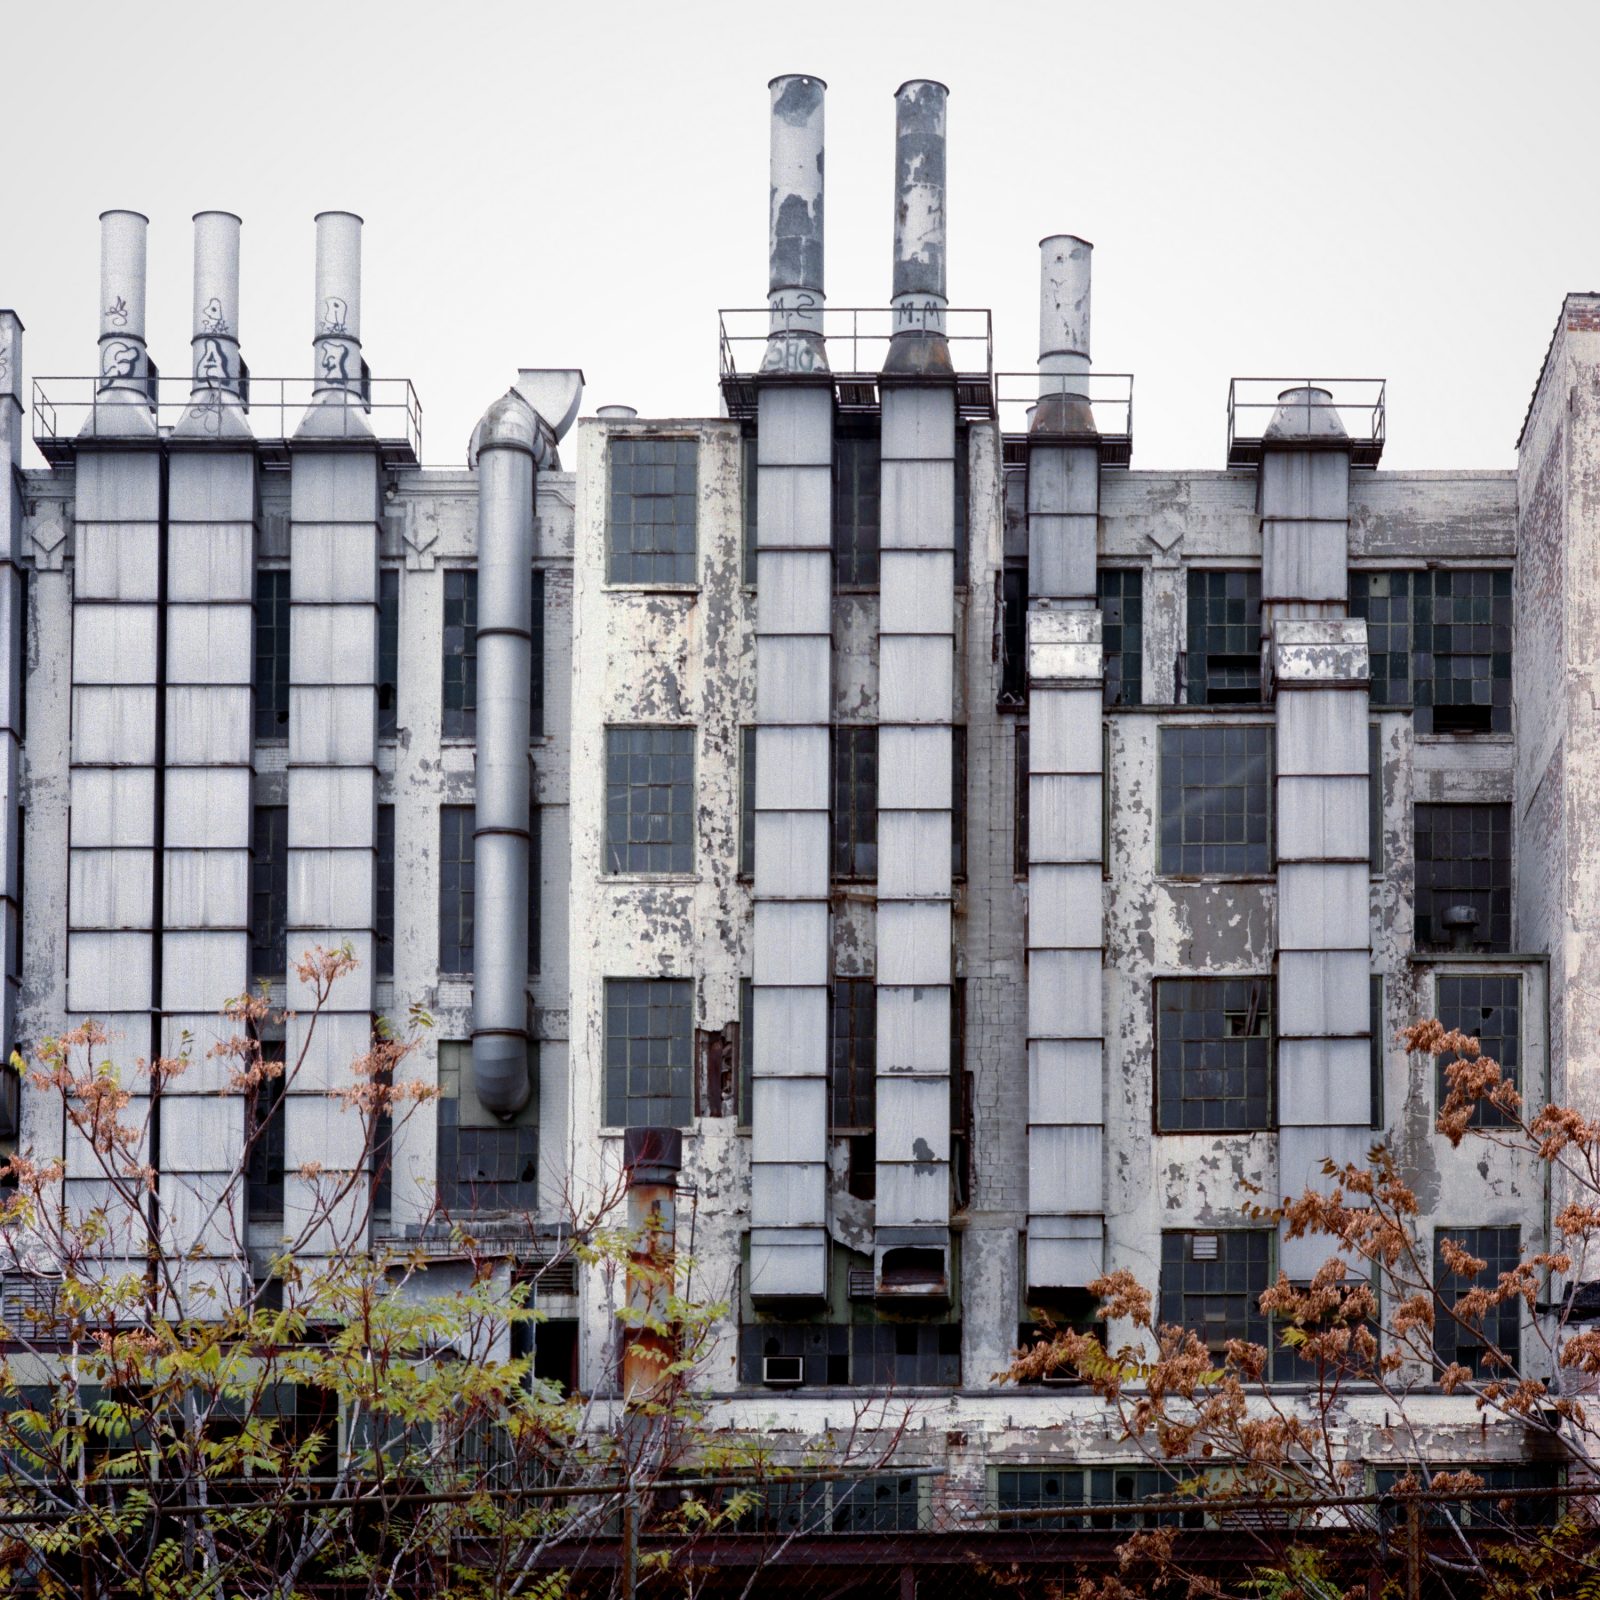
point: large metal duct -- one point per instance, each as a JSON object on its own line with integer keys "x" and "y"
{"x": 122, "y": 405}
{"x": 919, "y": 344}
{"x": 1064, "y": 270}
{"x": 794, "y": 239}
{"x": 339, "y": 398}
{"x": 215, "y": 408}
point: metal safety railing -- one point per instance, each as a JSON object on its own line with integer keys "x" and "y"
{"x": 384, "y": 409}
{"x": 1330, "y": 413}
{"x": 1110, "y": 401}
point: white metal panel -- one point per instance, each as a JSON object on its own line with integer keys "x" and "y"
{"x": 354, "y": 990}
{"x": 211, "y": 486}
{"x": 210, "y": 644}
{"x": 114, "y": 644}
{"x": 792, "y": 769}
{"x": 117, "y": 486}
{"x": 112, "y": 888}
{"x": 912, "y": 1195}
{"x": 1306, "y": 483}
{"x": 792, "y": 855}
{"x": 795, "y": 1194}
{"x": 1323, "y": 992}
{"x": 789, "y": 1120}
{"x": 121, "y": 562}
{"x": 913, "y": 764}
{"x": 791, "y": 1031}
{"x": 332, "y": 808}
{"x": 109, "y": 972}
{"x": 914, "y": 1030}
{"x": 333, "y": 486}
{"x": 793, "y": 678}
{"x": 1322, "y": 732}
{"x": 794, "y": 592}
{"x": 211, "y": 563}
{"x": 1065, "y": 819}
{"x": 918, "y": 506}
{"x": 1066, "y": 1081}
{"x": 203, "y": 968}
{"x": 333, "y": 644}
{"x": 1066, "y": 731}
{"x": 1323, "y": 819}
{"x": 1058, "y": 1262}
{"x": 1323, "y": 906}
{"x": 1305, "y": 560}
{"x": 1325, "y": 1081}
{"x": 788, "y": 1263}
{"x": 206, "y": 888}
{"x": 201, "y": 1133}
{"x": 321, "y": 1128}
{"x": 913, "y": 1119}
{"x": 1062, "y": 558}
{"x": 791, "y": 943}
{"x": 1065, "y": 907}
{"x": 209, "y": 725}
{"x": 1063, "y": 479}
{"x": 1065, "y": 1168}
{"x": 207, "y": 808}
{"x": 340, "y": 1038}
{"x": 794, "y": 508}
{"x": 333, "y": 726}
{"x": 1301, "y": 1152}
{"x": 914, "y": 943}
{"x": 1064, "y": 645}
{"x": 113, "y": 806}
{"x": 332, "y": 888}
{"x": 1064, "y": 994}
{"x": 330, "y": 567}
{"x": 917, "y": 591}
{"x": 914, "y": 854}
{"x": 113, "y": 726}
{"x": 918, "y": 423}
{"x": 795, "y": 426}
{"x": 916, "y": 678}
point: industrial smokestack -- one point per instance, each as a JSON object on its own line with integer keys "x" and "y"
{"x": 1064, "y": 269}
{"x": 919, "y": 345}
{"x": 122, "y": 400}
{"x": 216, "y": 401}
{"x": 338, "y": 314}
{"x": 794, "y": 237}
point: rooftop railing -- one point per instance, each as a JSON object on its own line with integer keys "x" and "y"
{"x": 1316, "y": 413}
{"x": 1110, "y": 399}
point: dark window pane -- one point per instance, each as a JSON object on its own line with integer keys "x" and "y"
{"x": 536, "y": 660}
{"x": 855, "y": 802}
{"x": 747, "y": 459}
{"x": 649, "y": 1034}
{"x": 857, "y": 475}
{"x": 958, "y": 803}
{"x": 1380, "y": 1042}
{"x": 1013, "y": 636}
{"x": 963, "y": 495}
{"x": 1216, "y": 800}
{"x": 747, "y": 1049}
{"x": 853, "y": 1056}
{"x": 385, "y": 893}
{"x": 1222, "y": 664}
{"x": 269, "y": 893}
{"x": 535, "y": 888}
{"x": 1463, "y": 858}
{"x": 1019, "y": 820}
{"x": 1488, "y": 1008}
{"x": 1213, "y": 1054}
{"x": 1212, "y": 1283}
{"x": 486, "y": 1169}
{"x": 1498, "y": 1508}
{"x": 272, "y": 655}
{"x": 455, "y": 888}
{"x": 652, "y": 492}
{"x": 1121, "y": 600}
{"x": 264, "y": 1169}
{"x": 747, "y": 802}
{"x": 388, "y": 651}
{"x": 1469, "y": 1340}
{"x": 460, "y": 654}
{"x": 649, "y": 800}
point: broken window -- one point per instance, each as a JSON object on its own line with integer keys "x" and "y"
{"x": 1440, "y": 642}
{"x": 649, "y": 800}
{"x": 1036, "y": 1489}
{"x": 456, "y": 865}
{"x": 1463, "y": 877}
{"x": 857, "y": 497}
{"x": 1223, "y": 663}
{"x": 1014, "y": 636}
{"x": 1121, "y": 602}
{"x": 853, "y": 1055}
{"x": 649, "y": 1052}
{"x": 653, "y": 487}
{"x": 855, "y": 802}
{"x": 747, "y": 802}
{"x": 958, "y": 803}
{"x": 1216, "y": 800}
{"x": 264, "y": 1167}
{"x": 1469, "y": 1340}
{"x": 1504, "y": 1503}
{"x": 1213, "y": 1054}
{"x": 484, "y": 1163}
{"x": 747, "y": 1050}
{"x": 1212, "y": 1283}
{"x": 388, "y": 651}
{"x": 269, "y": 892}
{"x": 272, "y": 654}
{"x": 383, "y": 955}
{"x": 460, "y": 654}
{"x": 1487, "y": 1006}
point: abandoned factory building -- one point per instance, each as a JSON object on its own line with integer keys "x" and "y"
{"x": 1003, "y": 862}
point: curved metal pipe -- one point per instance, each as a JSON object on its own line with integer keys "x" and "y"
{"x": 508, "y": 445}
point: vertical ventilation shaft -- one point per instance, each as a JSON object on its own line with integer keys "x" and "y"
{"x": 794, "y": 701}
{"x": 339, "y": 396}
{"x": 122, "y": 407}
{"x": 919, "y": 345}
{"x": 216, "y": 398}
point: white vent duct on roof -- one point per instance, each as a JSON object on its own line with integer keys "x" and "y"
{"x": 122, "y": 405}
{"x": 216, "y": 408}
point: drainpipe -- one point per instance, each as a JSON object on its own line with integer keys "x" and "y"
{"x": 918, "y": 345}
{"x": 216, "y": 399}
{"x": 122, "y": 405}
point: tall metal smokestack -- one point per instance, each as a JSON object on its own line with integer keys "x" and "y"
{"x": 794, "y": 283}
{"x": 920, "y": 298}
{"x": 1064, "y": 270}
{"x": 122, "y": 400}
{"x": 216, "y": 401}
{"x": 338, "y": 313}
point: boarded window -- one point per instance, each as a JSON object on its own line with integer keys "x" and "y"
{"x": 651, "y": 528}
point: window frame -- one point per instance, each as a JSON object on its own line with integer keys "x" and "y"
{"x": 1163, "y": 1039}
{"x": 852, "y": 1054}
{"x": 853, "y": 849}
{"x": 1256, "y": 1325}
{"x": 274, "y": 863}
{"x": 1170, "y": 732}
{"x": 459, "y": 724}
{"x": 278, "y": 626}
{"x": 857, "y": 563}
{"x": 1498, "y": 897}
{"x": 1197, "y": 687}
{"x": 1447, "y": 1332}
{"x": 615, "y": 868}
{"x": 1122, "y": 653}
{"x": 681, "y": 1088}
{"x": 614, "y": 497}
{"x": 1484, "y": 1114}
{"x": 465, "y": 888}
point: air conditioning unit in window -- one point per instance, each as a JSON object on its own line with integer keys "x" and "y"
{"x": 861, "y": 1285}
{"x": 1061, "y": 1375}
{"x": 1204, "y": 1247}
{"x": 783, "y": 1372}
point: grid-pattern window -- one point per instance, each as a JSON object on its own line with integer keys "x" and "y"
{"x": 1121, "y": 600}
{"x": 1487, "y": 1006}
{"x": 1481, "y": 1510}
{"x": 747, "y": 802}
{"x": 264, "y": 1168}
{"x": 1013, "y": 636}
{"x": 1375, "y": 799}
{"x": 1380, "y": 1041}
{"x": 857, "y": 493}
{"x": 384, "y": 955}
{"x": 1468, "y": 1341}
{"x": 958, "y": 803}
{"x": 483, "y": 1164}
{"x": 748, "y": 457}
{"x": 1216, "y": 800}
{"x": 1213, "y": 1054}
{"x": 652, "y": 523}
{"x": 1212, "y": 1283}
{"x": 456, "y": 857}
{"x": 460, "y": 653}
{"x": 747, "y": 1050}
{"x": 649, "y": 1052}
{"x": 1441, "y": 643}
{"x": 1223, "y": 663}
{"x": 649, "y": 799}
{"x": 853, "y": 1055}
{"x": 388, "y": 652}
{"x": 1463, "y": 858}
{"x": 855, "y": 802}
{"x": 879, "y": 1353}
{"x": 1019, "y": 809}
{"x": 876, "y": 1505}
{"x": 1041, "y": 1488}
{"x": 269, "y": 892}
{"x": 963, "y": 497}
{"x": 272, "y": 655}
{"x": 536, "y": 660}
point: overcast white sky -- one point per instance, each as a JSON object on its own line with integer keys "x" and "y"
{"x": 1401, "y": 190}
